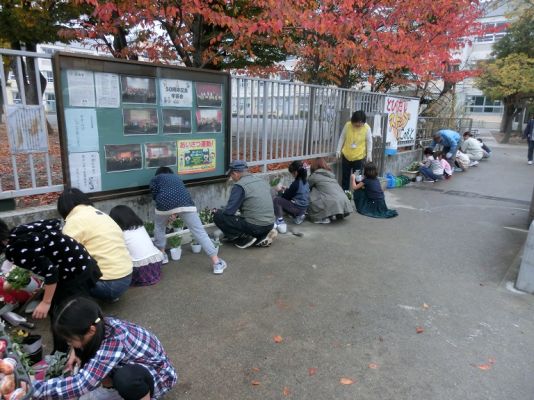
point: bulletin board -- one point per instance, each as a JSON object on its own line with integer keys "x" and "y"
{"x": 121, "y": 120}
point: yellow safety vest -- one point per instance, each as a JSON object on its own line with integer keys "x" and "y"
{"x": 357, "y": 136}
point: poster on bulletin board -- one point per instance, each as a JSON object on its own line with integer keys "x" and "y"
{"x": 121, "y": 120}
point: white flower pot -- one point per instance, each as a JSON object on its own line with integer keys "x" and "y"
{"x": 196, "y": 248}
{"x": 32, "y": 286}
{"x": 176, "y": 253}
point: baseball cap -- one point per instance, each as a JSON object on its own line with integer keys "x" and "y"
{"x": 238, "y": 166}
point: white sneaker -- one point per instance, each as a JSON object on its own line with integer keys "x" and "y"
{"x": 529, "y": 163}
{"x": 473, "y": 163}
{"x": 165, "y": 258}
{"x": 282, "y": 227}
{"x": 322, "y": 221}
{"x": 219, "y": 267}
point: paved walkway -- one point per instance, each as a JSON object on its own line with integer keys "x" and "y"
{"x": 347, "y": 300}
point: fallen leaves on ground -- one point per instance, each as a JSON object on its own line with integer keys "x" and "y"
{"x": 278, "y": 339}
{"x": 425, "y": 306}
{"x": 373, "y": 366}
{"x": 484, "y": 367}
{"x": 419, "y": 329}
{"x": 346, "y": 381}
{"x": 312, "y": 371}
{"x": 286, "y": 391}
{"x": 255, "y": 383}
{"x": 255, "y": 369}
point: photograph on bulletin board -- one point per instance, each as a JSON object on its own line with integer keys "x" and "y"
{"x": 140, "y": 121}
{"x": 196, "y": 156}
{"x": 176, "y": 121}
{"x": 160, "y": 154}
{"x": 123, "y": 157}
{"x": 208, "y": 94}
{"x": 209, "y": 121}
{"x": 138, "y": 90}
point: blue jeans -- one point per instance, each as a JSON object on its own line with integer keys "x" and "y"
{"x": 427, "y": 172}
{"x": 530, "y": 149}
{"x": 111, "y": 289}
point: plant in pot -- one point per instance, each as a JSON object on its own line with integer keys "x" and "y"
{"x": 217, "y": 244}
{"x": 149, "y": 226}
{"x": 195, "y": 246}
{"x": 177, "y": 224}
{"x": 174, "y": 243}
{"x": 21, "y": 279}
{"x": 206, "y": 215}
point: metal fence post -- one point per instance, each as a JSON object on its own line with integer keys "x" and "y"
{"x": 264, "y": 128}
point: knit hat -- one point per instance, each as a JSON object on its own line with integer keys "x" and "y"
{"x": 237, "y": 166}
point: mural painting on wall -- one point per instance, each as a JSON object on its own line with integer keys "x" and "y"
{"x": 402, "y": 122}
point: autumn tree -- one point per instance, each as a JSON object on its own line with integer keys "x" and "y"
{"x": 509, "y": 75}
{"x": 203, "y": 34}
{"x": 25, "y": 24}
{"x": 386, "y": 43}
{"x": 511, "y": 79}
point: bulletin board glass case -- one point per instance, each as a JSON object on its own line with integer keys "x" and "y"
{"x": 121, "y": 120}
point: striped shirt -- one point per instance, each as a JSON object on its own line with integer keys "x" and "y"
{"x": 124, "y": 343}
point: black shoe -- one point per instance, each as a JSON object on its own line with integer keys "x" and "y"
{"x": 244, "y": 242}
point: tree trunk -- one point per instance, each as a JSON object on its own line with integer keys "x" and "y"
{"x": 508, "y": 118}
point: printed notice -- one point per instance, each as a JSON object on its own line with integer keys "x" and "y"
{"x": 107, "y": 90}
{"x": 81, "y": 88}
{"x": 175, "y": 92}
{"x": 195, "y": 156}
{"x": 85, "y": 171}
{"x": 82, "y": 131}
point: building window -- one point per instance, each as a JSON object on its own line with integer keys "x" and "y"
{"x": 481, "y": 104}
{"x": 498, "y": 32}
{"x": 49, "y": 76}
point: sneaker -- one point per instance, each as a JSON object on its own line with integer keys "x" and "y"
{"x": 322, "y": 221}
{"x": 165, "y": 258}
{"x": 529, "y": 163}
{"x": 267, "y": 240}
{"x": 429, "y": 181}
{"x": 473, "y": 163}
{"x": 244, "y": 242}
{"x": 299, "y": 220}
{"x": 219, "y": 267}
{"x": 281, "y": 227}
{"x": 457, "y": 169}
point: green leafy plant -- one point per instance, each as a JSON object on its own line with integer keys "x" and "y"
{"x": 149, "y": 226}
{"x": 348, "y": 193}
{"x": 206, "y": 215}
{"x": 275, "y": 181}
{"x": 216, "y": 242}
{"x": 177, "y": 223}
{"x": 413, "y": 167}
{"x": 174, "y": 241}
{"x": 18, "y": 278}
{"x": 56, "y": 364}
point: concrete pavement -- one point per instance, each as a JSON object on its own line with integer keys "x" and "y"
{"x": 346, "y": 300}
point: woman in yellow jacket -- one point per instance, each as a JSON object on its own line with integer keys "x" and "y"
{"x": 355, "y": 145}
{"x": 103, "y": 239}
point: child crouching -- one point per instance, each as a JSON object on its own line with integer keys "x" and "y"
{"x": 368, "y": 194}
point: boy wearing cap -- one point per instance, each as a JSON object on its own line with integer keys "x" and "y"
{"x": 172, "y": 197}
{"x": 252, "y": 197}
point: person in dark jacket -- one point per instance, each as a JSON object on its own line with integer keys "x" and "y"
{"x": 295, "y": 199}
{"x": 528, "y": 134}
{"x": 251, "y": 196}
{"x": 65, "y": 265}
{"x": 172, "y": 197}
